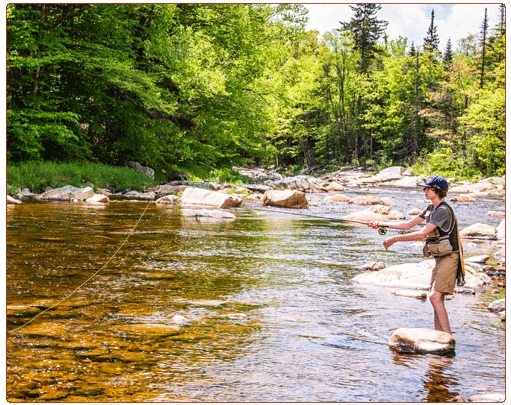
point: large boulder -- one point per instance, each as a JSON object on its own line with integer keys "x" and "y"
{"x": 166, "y": 200}
{"x": 422, "y": 341}
{"x": 142, "y": 169}
{"x": 285, "y": 199}
{"x": 390, "y": 173}
{"x": 293, "y": 183}
{"x": 498, "y": 306}
{"x": 201, "y": 196}
{"x": 98, "y": 199}
{"x": 66, "y": 193}
{"x": 472, "y": 188}
{"x": 479, "y": 231}
{"x": 11, "y": 200}
{"x": 405, "y": 182}
{"x": 165, "y": 189}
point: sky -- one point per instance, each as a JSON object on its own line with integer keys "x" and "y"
{"x": 412, "y": 20}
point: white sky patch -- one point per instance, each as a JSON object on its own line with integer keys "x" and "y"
{"x": 455, "y": 21}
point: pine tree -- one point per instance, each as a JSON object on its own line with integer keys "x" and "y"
{"x": 448, "y": 54}
{"x": 431, "y": 41}
{"x": 484, "y": 32}
{"x": 367, "y": 29}
{"x": 502, "y": 19}
{"x": 412, "y": 51}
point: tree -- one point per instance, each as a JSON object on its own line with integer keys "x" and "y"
{"x": 367, "y": 29}
{"x": 431, "y": 41}
{"x": 484, "y": 32}
{"x": 448, "y": 54}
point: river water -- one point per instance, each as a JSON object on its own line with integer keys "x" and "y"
{"x": 261, "y": 308}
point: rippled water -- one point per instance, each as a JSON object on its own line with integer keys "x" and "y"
{"x": 271, "y": 312}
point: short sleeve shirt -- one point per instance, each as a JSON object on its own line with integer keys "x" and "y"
{"x": 441, "y": 217}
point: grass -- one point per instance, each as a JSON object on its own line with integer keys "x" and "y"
{"x": 38, "y": 175}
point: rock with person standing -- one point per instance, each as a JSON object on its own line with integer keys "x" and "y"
{"x": 422, "y": 341}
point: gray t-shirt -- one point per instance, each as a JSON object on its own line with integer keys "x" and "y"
{"x": 441, "y": 217}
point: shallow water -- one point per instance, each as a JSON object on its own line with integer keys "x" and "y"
{"x": 271, "y": 312}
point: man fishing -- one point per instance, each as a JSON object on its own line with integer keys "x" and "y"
{"x": 442, "y": 242}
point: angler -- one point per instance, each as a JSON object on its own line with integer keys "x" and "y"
{"x": 443, "y": 242}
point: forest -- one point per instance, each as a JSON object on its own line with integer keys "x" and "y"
{"x": 173, "y": 86}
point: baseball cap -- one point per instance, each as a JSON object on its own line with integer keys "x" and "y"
{"x": 436, "y": 181}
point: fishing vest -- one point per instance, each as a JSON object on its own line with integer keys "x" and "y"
{"x": 438, "y": 233}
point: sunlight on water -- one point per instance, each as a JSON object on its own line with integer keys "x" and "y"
{"x": 257, "y": 309}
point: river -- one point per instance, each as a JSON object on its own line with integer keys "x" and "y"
{"x": 261, "y": 308}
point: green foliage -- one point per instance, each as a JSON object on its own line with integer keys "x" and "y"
{"x": 204, "y": 87}
{"x": 37, "y": 175}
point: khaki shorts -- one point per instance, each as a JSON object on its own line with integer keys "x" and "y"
{"x": 443, "y": 277}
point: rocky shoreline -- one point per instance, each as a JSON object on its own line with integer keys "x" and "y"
{"x": 270, "y": 188}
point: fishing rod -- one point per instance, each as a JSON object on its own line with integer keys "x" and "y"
{"x": 382, "y": 230}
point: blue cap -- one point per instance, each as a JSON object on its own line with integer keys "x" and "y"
{"x": 436, "y": 181}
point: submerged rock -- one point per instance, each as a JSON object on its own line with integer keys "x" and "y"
{"x": 213, "y": 214}
{"x": 422, "y": 341}
{"x": 147, "y": 329}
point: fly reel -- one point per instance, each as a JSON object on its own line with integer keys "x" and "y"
{"x": 382, "y": 231}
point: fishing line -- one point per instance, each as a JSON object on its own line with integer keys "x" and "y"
{"x": 86, "y": 281}
{"x": 382, "y": 230}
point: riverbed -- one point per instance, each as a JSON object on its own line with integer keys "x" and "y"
{"x": 261, "y": 308}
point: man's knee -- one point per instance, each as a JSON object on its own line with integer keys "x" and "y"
{"x": 436, "y": 297}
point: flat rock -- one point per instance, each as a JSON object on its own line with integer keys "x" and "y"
{"x": 420, "y": 295}
{"x": 472, "y": 188}
{"x": 213, "y": 214}
{"x": 412, "y": 276}
{"x": 66, "y": 193}
{"x": 367, "y": 200}
{"x": 422, "y": 341}
{"x": 201, "y": 196}
{"x": 478, "y": 259}
{"x": 489, "y": 397}
{"x": 337, "y": 198}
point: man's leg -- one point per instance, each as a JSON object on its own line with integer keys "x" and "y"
{"x": 441, "y": 318}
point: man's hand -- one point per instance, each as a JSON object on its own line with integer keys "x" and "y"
{"x": 389, "y": 242}
{"x": 374, "y": 224}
